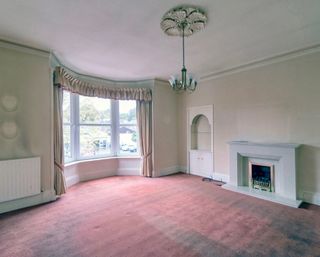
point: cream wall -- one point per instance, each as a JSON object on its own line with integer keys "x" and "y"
{"x": 25, "y": 74}
{"x": 279, "y": 102}
{"x": 165, "y": 129}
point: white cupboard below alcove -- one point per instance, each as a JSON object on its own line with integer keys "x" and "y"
{"x": 200, "y": 141}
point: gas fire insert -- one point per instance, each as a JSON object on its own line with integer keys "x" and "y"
{"x": 261, "y": 176}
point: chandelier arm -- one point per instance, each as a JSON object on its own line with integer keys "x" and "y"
{"x": 177, "y": 86}
{"x": 192, "y": 86}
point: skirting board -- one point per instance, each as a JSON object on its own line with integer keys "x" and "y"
{"x": 90, "y": 175}
{"x": 72, "y": 180}
{"x": 44, "y": 197}
{"x": 216, "y": 176}
{"x": 221, "y": 177}
{"x": 200, "y": 174}
{"x": 183, "y": 169}
{"x": 128, "y": 172}
{"x": 169, "y": 171}
{"x": 310, "y": 197}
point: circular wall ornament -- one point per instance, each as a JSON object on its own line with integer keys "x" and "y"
{"x": 189, "y": 18}
{"x": 9, "y": 103}
{"x": 9, "y": 129}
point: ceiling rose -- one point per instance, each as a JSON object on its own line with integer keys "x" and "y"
{"x": 187, "y": 18}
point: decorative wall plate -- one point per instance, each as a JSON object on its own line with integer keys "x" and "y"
{"x": 9, "y": 129}
{"x": 9, "y": 103}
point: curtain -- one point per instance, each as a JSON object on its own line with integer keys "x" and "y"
{"x": 74, "y": 85}
{"x": 143, "y": 96}
{"x": 59, "y": 179}
{"x": 145, "y": 137}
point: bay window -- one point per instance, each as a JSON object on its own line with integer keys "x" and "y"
{"x": 96, "y": 127}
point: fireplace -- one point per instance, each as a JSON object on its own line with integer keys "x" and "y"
{"x": 266, "y": 171}
{"x": 261, "y": 176}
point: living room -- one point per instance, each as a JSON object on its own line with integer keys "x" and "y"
{"x": 175, "y": 168}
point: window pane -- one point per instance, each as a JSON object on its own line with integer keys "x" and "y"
{"x": 127, "y": 112}
{"x": 67, "y": 142}
{"x": 128, "y": 140}
{"x": 95, "y": 140}
{"x": 94, "y": 110}
{"x": 66, "y": 107}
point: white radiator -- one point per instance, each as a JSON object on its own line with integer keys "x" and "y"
{"x": 19, "y": 178}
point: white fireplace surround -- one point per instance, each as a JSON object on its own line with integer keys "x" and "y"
{"x": 282, "y": 156}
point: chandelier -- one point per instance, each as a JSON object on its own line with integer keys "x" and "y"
{"x": 183, "y": 21}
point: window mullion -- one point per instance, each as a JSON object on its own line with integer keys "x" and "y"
{"x": 115, "y": 126}
{"x": 76, "y": 127}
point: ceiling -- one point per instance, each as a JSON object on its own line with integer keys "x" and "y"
{"x": 122, "y": 39}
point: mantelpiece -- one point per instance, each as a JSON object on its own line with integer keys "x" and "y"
{"x": 281, "y": 156}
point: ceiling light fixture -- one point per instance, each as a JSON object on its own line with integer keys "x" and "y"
{"x": 183, "y": 21}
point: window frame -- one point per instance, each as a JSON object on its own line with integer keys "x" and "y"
{"x": 118, "y": 134}
{"x": 71, "y": 125}
{"x": 114, "y": 128}
{"x": 78, "y": 124}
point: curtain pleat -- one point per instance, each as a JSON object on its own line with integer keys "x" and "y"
{"x": 59, "y": 179}
{"x": 145, "y": 136}
{"x": 74, "y": 85}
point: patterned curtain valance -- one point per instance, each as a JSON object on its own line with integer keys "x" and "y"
{"x": 68, "y": 82}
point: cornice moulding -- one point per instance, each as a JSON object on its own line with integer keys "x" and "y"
{"x": 162, "y": 81}
{"x": 23, "y": 48}
{"x": 262, "y": 62}
{"x": 54, "y": 61}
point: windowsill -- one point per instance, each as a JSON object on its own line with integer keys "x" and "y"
{"x": 68, "y": 164}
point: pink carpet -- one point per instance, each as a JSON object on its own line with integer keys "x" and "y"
{"x": 171, "y": 216}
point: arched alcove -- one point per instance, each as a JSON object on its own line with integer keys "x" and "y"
{"x": 200, "y": 141}
{"x": 200, "y": 133}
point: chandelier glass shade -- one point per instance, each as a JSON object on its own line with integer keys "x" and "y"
{"x": 183, "y": 21}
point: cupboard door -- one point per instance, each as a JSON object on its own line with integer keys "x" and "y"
{"x": 201, "y": 163}
{"x": 194, "y": 162}
{"x": 206, "y": 160}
